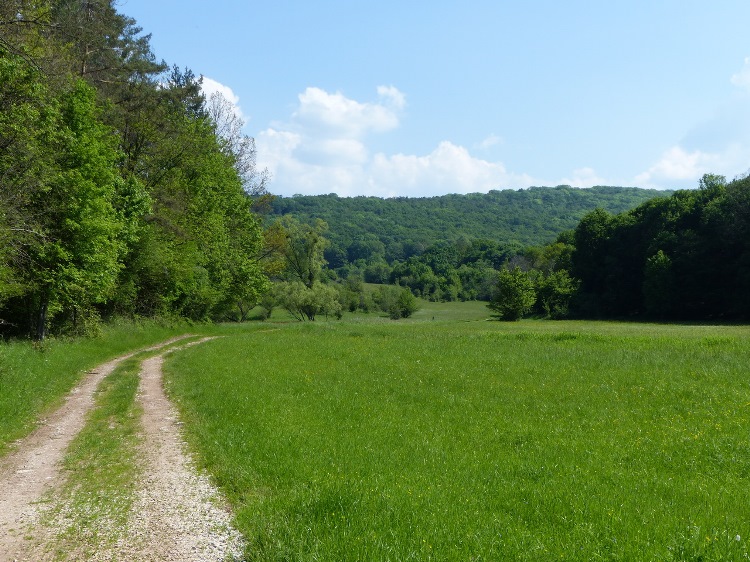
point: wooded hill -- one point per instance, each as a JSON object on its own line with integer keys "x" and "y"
{"x": 367, "y": 228}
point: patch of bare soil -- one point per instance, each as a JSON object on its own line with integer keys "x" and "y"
{"x": 175, "y": 514}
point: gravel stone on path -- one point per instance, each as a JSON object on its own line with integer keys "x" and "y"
{"x": 176, "y": 514}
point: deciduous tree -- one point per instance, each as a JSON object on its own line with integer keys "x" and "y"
{"x": 303, "y": 249}
{"x": 75, "y": 260}
{"x": 514, "y": 294}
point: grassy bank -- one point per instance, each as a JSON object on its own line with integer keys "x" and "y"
{"x": 34, "y": 378}
{"x": 445, "y": 440}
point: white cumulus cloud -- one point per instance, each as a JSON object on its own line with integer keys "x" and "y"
{"x": 584, "y": 177}
{"x": 209, "y": 86}
{"x": 447, "y": 169}
{"x": 278, "y": 146}
{"x": 719, "y": 145}
{"x": 333, "y": 151}
{"x": 679, "y": 168}
{"x": 340, "y": 115}
{"x": 677, "y": 164}
{"x": 392, "y": 97}
{"x": 322, "y": 148}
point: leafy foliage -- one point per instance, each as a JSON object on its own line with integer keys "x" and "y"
{"x": 306, "y": 303}
{"x": 396, "y": 301}
{"x": 554, "y": 293}
{"x": 450, "y": 248}
{"x": 683, "y": 256}
{"x": 371, "y": 228}
{"x": 303, "y": 249}
{"x": 122, "y": 190}
{"x": 514, "y": 295}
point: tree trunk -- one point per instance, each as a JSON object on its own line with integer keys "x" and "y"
{"x": 41, "y": 327}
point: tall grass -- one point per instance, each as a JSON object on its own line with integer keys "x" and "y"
{"x": 35, "y": 377}
{"x": 477, "y": 440}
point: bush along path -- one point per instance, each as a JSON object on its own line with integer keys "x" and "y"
{"x": 106, "y": 477}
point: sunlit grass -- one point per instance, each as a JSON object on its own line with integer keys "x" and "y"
{"x": 451, "y": 440}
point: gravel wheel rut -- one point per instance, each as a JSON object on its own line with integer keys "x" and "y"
{"x": 177, "y": 513}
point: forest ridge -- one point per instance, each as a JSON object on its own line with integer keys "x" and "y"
{"x": 678, "y": 255}
{"x": 399, "y": 227}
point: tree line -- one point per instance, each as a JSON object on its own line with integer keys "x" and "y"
{"x": 686, "y": 256}
{"x": 123, "y": 190}
{"x": 451, "y": 247}
{"x": 681, "y": 257}
{"x": 373, "y": 230}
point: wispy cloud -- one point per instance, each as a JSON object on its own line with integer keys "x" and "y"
{"x": 489, "y": 142}
{"x": 720, "y": 144}
{"x": 741, "y": 79}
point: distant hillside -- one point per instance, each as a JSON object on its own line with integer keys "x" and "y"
{"x": 362, "y": 227}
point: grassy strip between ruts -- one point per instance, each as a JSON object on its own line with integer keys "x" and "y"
{"x": 477, "y": 440}
{"x": 90, "y": 511}
{"x": 34, "y": 378}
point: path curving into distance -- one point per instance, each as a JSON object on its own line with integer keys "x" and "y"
{"x": 176, "y": 514}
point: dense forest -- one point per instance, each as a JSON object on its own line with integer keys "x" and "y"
{"x": 682, "y": 257}
{"x": 451, "y": 247}
{"x": 372, "y": 228}
{"x": 123, "y": 190}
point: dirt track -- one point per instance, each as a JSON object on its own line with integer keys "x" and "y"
{"x": 175, "y": 515}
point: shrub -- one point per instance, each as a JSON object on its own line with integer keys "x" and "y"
{"x": 514, "y": 295}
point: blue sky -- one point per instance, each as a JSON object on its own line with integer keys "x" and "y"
{"x": 420, "y": 98}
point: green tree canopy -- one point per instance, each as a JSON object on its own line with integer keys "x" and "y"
{"x": 122, "y": 191}
{"x": 682, "y": 256}
{"x": 303, "y": 249}
{"x": 514, "y": 294}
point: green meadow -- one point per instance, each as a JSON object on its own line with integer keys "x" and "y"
{"x": 451, "y": 437}
{"x": 446, "y": 436}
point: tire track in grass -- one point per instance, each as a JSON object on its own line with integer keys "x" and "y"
{"x": 32, "y": 468}
{"x": 176, "y": 514}
{"x": 87, "y": 513}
